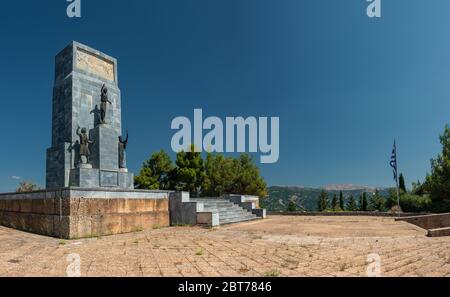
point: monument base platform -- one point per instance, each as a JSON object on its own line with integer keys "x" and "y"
{"x": 72, "y": 213}
{"x": 85, "y": 177}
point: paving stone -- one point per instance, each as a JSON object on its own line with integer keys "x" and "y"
{"x": 339, "y": 248}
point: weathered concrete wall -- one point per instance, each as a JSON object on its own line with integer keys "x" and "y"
{"x": 72, "y": 214}
{"x": 432, "y": 221}
{"x": 438, "y": 232}
{"x": 209, "y": 219}
{"x": 182, "y": 211}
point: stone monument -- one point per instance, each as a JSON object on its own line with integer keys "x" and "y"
{"x": 89, "y": 191}
{"x": 86, "y": 95}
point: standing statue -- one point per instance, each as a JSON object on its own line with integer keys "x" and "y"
{"x": 84, "y": 145}
{"x": 104, "y": 104}
{"x": 122, "y": 147}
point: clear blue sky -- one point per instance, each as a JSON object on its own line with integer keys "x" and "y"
{"x": 342, "y": 84}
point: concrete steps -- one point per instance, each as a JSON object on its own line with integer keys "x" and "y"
{"x": 228, "y": 211}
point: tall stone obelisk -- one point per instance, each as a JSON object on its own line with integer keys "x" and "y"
{"x": 81, "y": 75}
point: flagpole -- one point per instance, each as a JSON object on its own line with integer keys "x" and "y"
{"x": 394, "y": 165}
{"x": 397, "y": 178}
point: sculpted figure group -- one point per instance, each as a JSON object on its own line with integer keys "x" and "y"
{"x": 84, "y": 151}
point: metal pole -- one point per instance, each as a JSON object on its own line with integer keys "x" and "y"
{"x": 397, "y": 179}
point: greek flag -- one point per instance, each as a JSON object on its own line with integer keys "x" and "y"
{"x": 393, "y": 162}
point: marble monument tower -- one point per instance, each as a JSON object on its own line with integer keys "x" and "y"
{"x": 87, "y": 148}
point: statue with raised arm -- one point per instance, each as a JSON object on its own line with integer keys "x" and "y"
{"x": 104, "y": 104}
{"x": 122, "y": 147}
{"x": 84, "y": 145}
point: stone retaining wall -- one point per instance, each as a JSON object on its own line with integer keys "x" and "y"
{"x": 70, "y": 213}
{"x": 432, "y": 221}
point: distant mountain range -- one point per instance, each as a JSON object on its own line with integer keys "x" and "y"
{"x": 306, "y": 197}
{"x": 349, "y": 187}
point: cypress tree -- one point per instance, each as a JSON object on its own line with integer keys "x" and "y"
{"x": 401, "y": 182}
{"x": 363, "y": 205}
{"x": 341, "y": 201}
{"x": 334, "y": 202}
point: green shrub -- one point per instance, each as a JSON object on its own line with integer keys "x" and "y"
{"x": 292, "y": 206}
{"x": 409, "y": 202}
{"x": 415, "y": 203}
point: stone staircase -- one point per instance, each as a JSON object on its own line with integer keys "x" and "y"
{"x": 228, "y": 211}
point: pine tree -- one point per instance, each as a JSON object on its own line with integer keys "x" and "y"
{"x": 437, "y": 184}
{"x": 322, "y": 203}
{"x": 248, "y": 179}
{"x": 216, "y": 176}
{"x": 351, "y": 205}
{"x": 155, "y": 173}
{"x": 417, "y": 188}
{"x": 221, "y": 176}
{"x": 190, "y": 172}
{"x": 377, "y": 202}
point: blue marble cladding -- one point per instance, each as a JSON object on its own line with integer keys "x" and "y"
{"x": 84, "y": 178}
{"x": 58, "y": 165}
{"x": 109, "y": 178}
{"x": 76, "y": 103}
{"x": 105, "y": 153}
{"x": 95, "y": 178}
{"x": 126, "y": 180}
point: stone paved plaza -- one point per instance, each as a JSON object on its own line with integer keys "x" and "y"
{"x": 280, "y": 245}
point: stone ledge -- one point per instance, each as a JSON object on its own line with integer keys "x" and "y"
{"x": 74, "y": 192}
{"x": 438, "y": 232}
